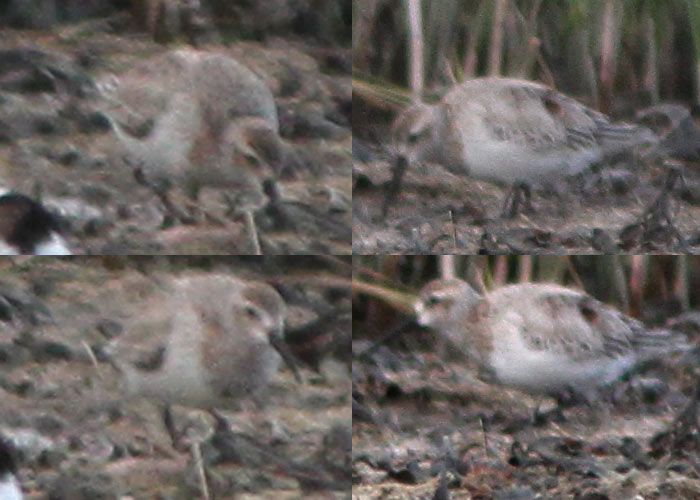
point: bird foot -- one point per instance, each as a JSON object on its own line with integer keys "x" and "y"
{"x": 520, "y": 195}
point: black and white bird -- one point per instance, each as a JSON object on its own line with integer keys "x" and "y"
{"x": 27, "y": 227}
{"x": 9, "y": 486}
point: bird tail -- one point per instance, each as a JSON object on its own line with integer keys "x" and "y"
{"x": 655, "y": 342}
{"x": 615, "y": 138}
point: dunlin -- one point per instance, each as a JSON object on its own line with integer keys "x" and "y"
{"x": 27, "y": 227}
{"x": 223, "y": 338}
{"x": 223, "y": 344}
{"x": 508, "y": 131}
{"x": 195, "y": 119}
{"x": 541, "y": 338}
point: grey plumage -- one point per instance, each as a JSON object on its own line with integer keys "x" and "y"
{"x": 508, "y": 130}
{"x": 214, "y": 123}
{"x": 542, "y": 337}
{"x": 218, "y": 342}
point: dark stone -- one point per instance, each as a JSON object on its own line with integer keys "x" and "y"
{"x": 96, "y": 226}
{"x": 48, "y": 125}
{"x": 95, "y": 122}
{"x": 360, "y": 152}
{"x": 603, "y": 242}
{"x": 109, "y": 328}
{"x": 35, "y": 14}
{"x": 51, "y": 458}
{"x": 621, "y": 181}
{"x": 592, "y": 496}
{"x": 690, "y": 193}
{"x": 411, "y": 474}
{"x": 96, "y": 193}
{"x": 48, "y": 425}
{"x": 515, "y": 494}
{"x": 70, "y": 157}
{"x": 74, "y": 484}
{"x": 13, "y": 355}
{"x": 45, "y": 351}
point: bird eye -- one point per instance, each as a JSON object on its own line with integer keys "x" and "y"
{"x": 433, "y": 300}
{"x": 251, "y": 312}
{"x": 413, "y": 138}
{"x": 252, "y": 159}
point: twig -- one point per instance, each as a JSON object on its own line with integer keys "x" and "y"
{"x": 252, "y": 231}
{"x": 197, "y": 456}
{"x": 484, "y": 437}
{"x": 92, "y": 357}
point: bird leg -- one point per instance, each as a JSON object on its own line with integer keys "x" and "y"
{"x": 173, "y": 210}
{"x": 519, "y": 194}
{"x": 162, "y": 194}
{"x": 685, "y": 424}
{"x": 169, "y": 422}
{"x": 394, "y": 186}
{"x": 541, "y": 418}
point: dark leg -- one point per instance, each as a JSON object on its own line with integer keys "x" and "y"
{"x": 174, "y": 211}
{"x": 170, "y": 426}
{"x": 162, "y": 194}
{"x": 519, "y": 194}
{"x": 392, "y": 190}
{"x": 541, "y": 418}
{"x": 658, "y": 219}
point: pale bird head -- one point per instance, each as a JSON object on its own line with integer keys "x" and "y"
{"x": 261, "y": 312}
{"x": 442, "y": 302}
{"x": 256, "y": 147}
{"x": 415, "y": 133}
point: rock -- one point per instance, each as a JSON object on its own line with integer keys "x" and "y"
{"x": 109, "y": 328}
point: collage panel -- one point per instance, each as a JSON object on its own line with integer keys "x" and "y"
{"x": 525, "y": 127}
{"x": 178, "y": 127}
{"x": 175, "y": 377}
{"x": 562, "y": 377}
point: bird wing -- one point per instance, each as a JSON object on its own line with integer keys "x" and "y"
{"x": 534, "y": 115}
{"x": 565, "y": 321}
{"x": 523, "y": 112}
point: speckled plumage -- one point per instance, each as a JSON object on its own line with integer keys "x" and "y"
{"x": 214, "y": 123}
{"x": 508, "y": 130}
{"x": 541, "y": 338}
{"x": 218, "y": 348}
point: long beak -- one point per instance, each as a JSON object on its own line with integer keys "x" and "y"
{"x": 282, "y": 348}
{"x": 396, "y": 331}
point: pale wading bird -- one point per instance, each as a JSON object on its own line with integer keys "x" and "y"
{"x": 9, "y": 486}
{"x": 507, "y": 131}
{"x": 27, "y": 227}
{"x": 192, "y": 119}
{"x": 223, "y": 343}
{"x": 542, "y": 338}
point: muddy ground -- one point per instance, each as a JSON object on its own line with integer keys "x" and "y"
{"x": 598, "y": 212}
{"x": 54, "y": 144}
{"x": 426, "y": 427}
{"x": 79, "y": 439}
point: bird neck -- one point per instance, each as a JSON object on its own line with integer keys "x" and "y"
{"x": 470, "y": 329}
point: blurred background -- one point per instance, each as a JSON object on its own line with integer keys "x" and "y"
{"x": 426, "y": 425}
{"x": 652, "y": 288}
{"x": 640, "y": 51}
{"x": 79, "y": 438}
